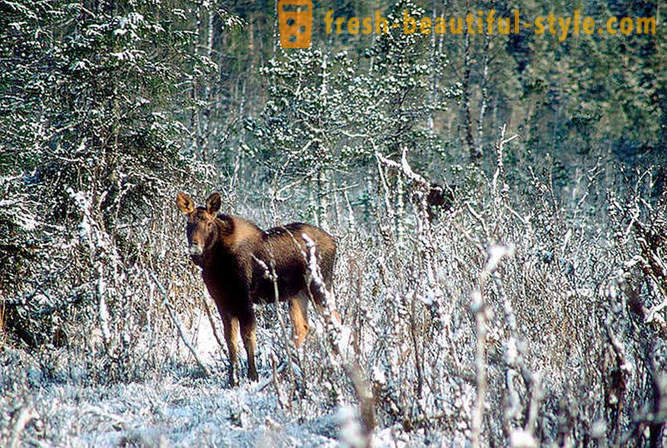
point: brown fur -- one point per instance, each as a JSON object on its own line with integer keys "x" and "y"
{"x": 228, "y": 248}
{"x": 438, "y": 197}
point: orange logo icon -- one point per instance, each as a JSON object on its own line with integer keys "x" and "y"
{"x": 295, "y": 22}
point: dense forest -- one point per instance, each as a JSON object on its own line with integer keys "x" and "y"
{"x": 498, "y": 202}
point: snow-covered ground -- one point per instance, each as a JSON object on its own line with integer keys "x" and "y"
{"x": 176, "y": 410}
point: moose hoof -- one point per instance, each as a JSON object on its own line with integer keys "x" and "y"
{"x": 253, "y": 375}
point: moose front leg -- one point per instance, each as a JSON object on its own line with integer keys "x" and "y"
{"x": 231, "y": 325}
{"x": 248, "y": 327}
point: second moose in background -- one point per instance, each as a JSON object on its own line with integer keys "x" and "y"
{"x": 234, "y": 255}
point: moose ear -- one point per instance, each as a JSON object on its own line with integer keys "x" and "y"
{"x": 185, "y": 203}
{"x": 213, "y": 203}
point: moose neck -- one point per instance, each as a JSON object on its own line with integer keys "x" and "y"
{"x": 214, "y": 253}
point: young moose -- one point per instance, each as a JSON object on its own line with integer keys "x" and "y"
{"x": 234, "y": 255}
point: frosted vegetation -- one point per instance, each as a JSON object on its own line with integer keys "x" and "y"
{"x": 530, "y": 311}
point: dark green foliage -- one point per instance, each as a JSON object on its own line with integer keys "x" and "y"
{"x": 92, "y": 136}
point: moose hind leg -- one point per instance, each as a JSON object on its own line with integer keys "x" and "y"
{"x": 248, "y": 334}
{"x": 298, "y": 311}
{"x": 231, "y": 326}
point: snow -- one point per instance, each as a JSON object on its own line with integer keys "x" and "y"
{"x": 351, "y": 434}
{"x": 205, "y": 342}
{"x": 522, "y": 439}
{"x": 174, "y": 412}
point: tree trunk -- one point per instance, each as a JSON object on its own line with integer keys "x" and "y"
{"x": 467, "y": 104}
{"x": 484, "y": 99}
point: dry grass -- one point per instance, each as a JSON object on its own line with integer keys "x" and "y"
{"x": 513, "y": 319}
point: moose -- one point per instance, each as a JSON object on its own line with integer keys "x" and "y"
{"x": 437, "y": 197}
{"x": 241, "y": 265}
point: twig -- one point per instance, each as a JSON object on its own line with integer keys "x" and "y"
{"x": 270, "y": 274}
{"x": 495, "y": 254}
{"x": 404, "y": 167}
{"x": 210, "y": 319}
{"x": 500, "y": 170}
{"x": 332, "y": 327}
{"x": 179, "y": 327}
{"x": 284, "y": 404}
{"x": 24, "y": 416}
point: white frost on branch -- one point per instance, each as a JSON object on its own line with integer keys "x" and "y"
{"x": 16, "y": 212}
{"x": 497, "y": 253}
